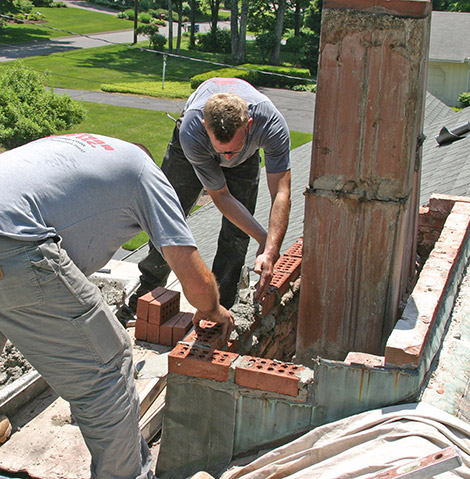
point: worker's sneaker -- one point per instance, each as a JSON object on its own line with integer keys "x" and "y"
{"x": 125, "y": 314}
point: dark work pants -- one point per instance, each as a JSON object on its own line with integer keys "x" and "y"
{"x": 242, "y": 182}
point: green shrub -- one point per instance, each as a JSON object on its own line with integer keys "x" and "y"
{"x": 172, "y": 89}
{"x": 19, "y": 17}
{"x": 159, "y": 13}
{"x": 258, "y": 78}
{"x": 59, "y": 5}
{"x": 145, "y": 17}
{"x": 216, "y": 42}
{"x": 157, "y": 41}
{"x": 28, "y": 110}
{"x": 464, "y": 98}
{"x": 158, "y": 21}
{"x": 266, "y": 43}
{"x": 129, "y": 14}
{"x": 23, "y": 6}
{"x": 310, "y": 51}
{"x": 43, "y": 3}
{"x": 35, "y": 16}
{"x": 312, "y": 87}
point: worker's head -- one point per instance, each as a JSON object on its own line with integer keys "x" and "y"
{"x": 227, "y": 121}
{"x": 144, "y": 148}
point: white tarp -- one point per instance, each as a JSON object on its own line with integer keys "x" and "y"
{"x": 367, "y": 443}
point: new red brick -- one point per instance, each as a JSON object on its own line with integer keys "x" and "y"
{"x": 143, "y": 302}
{"x": 207, "y": 333}
{"x": 289, "y": 264}
{"x": 167, "y": 330}
{"x": 183, "y": 325}
{"x": 141, "y": 329}
{"x": 268, "y": 375}
{"x": 269, "y": 302}
{"x": 296, "y": 249}
{"x": 164, "y": 307}
{"x": 199, "y": 362}
{"x": 281, "y": 282}
{"x": 153, "y": 333}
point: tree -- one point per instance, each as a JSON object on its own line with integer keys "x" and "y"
{"x": 179, "y": 9}
{"x": 7, "y": 6}
{"x": 194, "y": 5}
{"x": 214, "y": 6}
{"x": 170, "y": 25}
{"x": 299, "y": 8}
{"x": 238, "y": 31}
{"x": 278, "y": 30}
{"x": 460, "y": 6}
{"x": 29, "y": 110}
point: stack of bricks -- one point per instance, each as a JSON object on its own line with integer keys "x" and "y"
{"x": 200, "y": 354}
{"x": 286, "y": 271}
{"x": 159, "y": 319}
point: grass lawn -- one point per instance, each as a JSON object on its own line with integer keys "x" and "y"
{"x": 151, "y": 128}
{"x": 74, "y": 20}
{"x": 88, "y": 69}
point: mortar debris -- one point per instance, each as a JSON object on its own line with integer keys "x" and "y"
{"x": 12, "y": 365}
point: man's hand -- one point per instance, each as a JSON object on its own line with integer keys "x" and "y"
{"x": 264, "y": 266}
{"x": 222, "y": 316}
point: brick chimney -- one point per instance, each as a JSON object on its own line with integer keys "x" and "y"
{"x": 362, "y": 201}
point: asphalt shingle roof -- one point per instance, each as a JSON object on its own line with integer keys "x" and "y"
{"x": 446, "y": 168}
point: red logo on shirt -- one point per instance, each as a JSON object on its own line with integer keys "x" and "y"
{"x": 91, "y": 140}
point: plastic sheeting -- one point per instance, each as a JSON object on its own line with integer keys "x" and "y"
{"x": 364, "y": 444}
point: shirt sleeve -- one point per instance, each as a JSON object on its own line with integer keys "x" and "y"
{"x": 274, "y": 137}
{"x": 158, "y": 210}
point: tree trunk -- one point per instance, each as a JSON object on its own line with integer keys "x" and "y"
{"x": 241, "y": 56}
{"x": 179, "y": 4}
{"x": 170, "y": 26}
{"x": 234, "y": 35}
{"x": 136, "y": 19}
{"x": 276, "y": 53}
{"x": 192, "y": 32}
{"x": 238, "y": 31}
{"x": 214, "y": 4}
{"x": 297, "y": 18}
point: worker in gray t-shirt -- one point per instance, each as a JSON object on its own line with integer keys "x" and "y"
{"x": 66, "y": 205}
{"x": 215, "y": 145}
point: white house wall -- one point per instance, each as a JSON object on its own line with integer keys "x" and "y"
{"x": 447, "y": 81}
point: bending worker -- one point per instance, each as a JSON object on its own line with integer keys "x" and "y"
{"x": 215, "y": 145}
{"x": 66, "y": 205}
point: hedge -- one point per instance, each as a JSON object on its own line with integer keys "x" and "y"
{"x": 257, "y": 77}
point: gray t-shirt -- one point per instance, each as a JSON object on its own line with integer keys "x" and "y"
{"x": 268, "y": 131}
{"x": 93, "y": 191}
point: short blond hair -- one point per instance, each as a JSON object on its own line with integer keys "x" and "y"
{"x": 224, "y": 114}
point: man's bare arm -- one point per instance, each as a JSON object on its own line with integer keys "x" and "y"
{"x": 237, "y": 213}
{"x": 199, "y": 286}
{"x": 279, "y": 188}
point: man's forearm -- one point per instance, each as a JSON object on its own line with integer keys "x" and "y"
{"x": 280, "y": 211}
{"x": 278, "y": 222}
{"x": 199, "y": 285}
{"x": 237, "y": 213}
